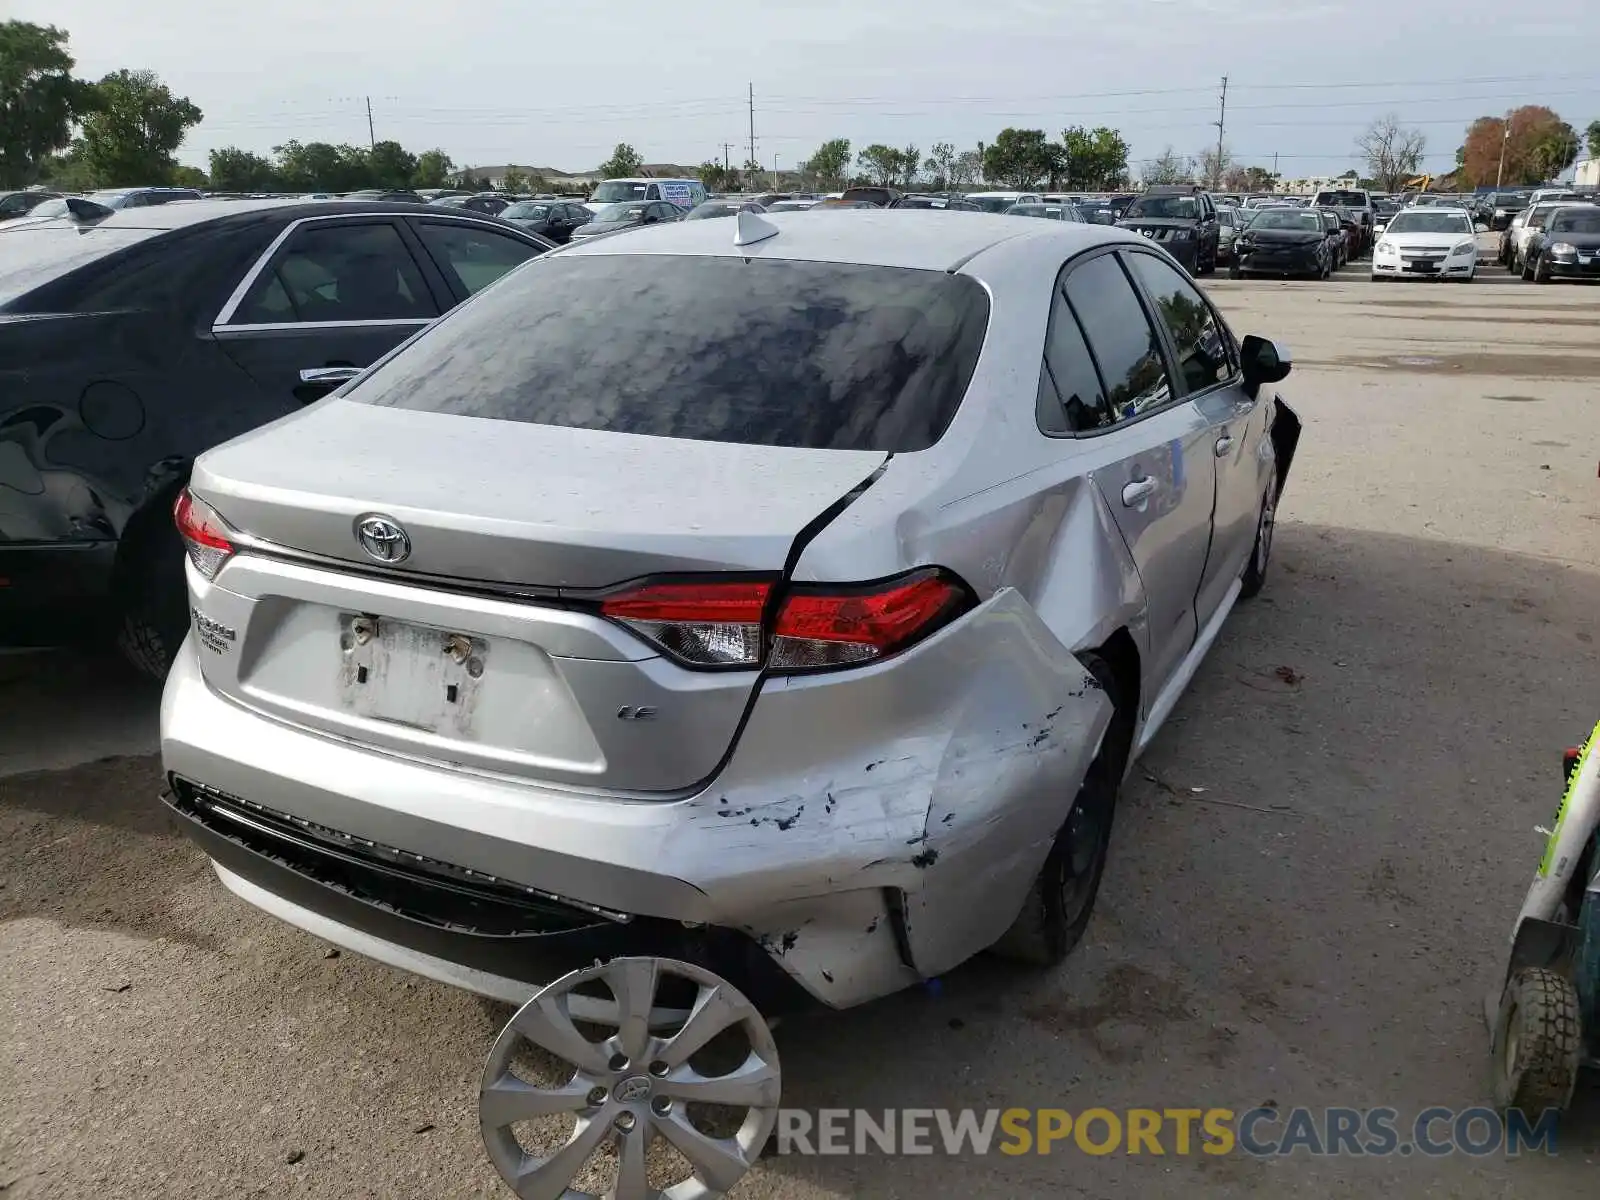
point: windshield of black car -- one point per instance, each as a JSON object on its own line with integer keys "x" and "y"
{"x": 1342, "y": 198}
{"x": 527, "y": 210}
{"x": 620, "y": 212}
{"x": 1163, "y": 208}
{"x": 993, "y": 204}
{"x": 1422, "y": 221}
{"x": 1287, "y": 218}
{"x": 773, "y": 352}
{"x": 615, "y": 191}
{"x": 1576, "y": 222}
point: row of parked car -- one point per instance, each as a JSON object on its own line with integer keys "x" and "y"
{"x": 1554, "y": 237}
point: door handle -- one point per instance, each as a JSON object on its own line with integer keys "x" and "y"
{"x": 1224, "y": 444}
{"x": 331, "y": 376}
{"x": 1137, "y": 492}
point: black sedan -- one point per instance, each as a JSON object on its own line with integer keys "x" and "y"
{"x": 1568, "y": 247}
{"x": 130, "y": 346}
{"x": 630, "y": 214}
{"x": 1283, "y": 241}
{"x": 20, "y": 204}
{"x": 554, "y": 219}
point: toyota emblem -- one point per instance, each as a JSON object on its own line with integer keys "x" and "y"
{"x": 382, "y": 539}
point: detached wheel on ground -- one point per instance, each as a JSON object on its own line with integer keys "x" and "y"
{"x": 1536, "y": 1042}
{"x": 1059, "y": 906}
{"x": 151, "y": 597}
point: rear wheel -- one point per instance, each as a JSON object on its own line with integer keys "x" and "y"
{"x": 1234, "y": 271}
{"x": 1527, "y": 270}
{"x": 153, "y": 602}
{"x": 1061, "y": 901}
{"x": 1541, "y": 270}
{"x": 1536, "y": 1042}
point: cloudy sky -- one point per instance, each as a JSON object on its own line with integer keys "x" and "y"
{"x": 553, "y": 83}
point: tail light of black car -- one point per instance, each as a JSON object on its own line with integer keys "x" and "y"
{"x": 791, "y": 629}
{"x": 205, "y": 534}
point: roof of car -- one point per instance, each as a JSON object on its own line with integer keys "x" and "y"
{"x": 922, "y": 239}
{"x": 182, "y": 213}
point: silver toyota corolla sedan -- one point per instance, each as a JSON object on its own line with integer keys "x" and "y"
{"x": 787, "y": 595}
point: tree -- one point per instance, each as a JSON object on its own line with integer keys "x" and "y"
{"x": 433, "y": 170}
{"x": 1537, "y": 145}
{"x": 470, "y": 182}
{"x": 830, "y": 160}
{"x": 624, "y": 161}
{"x": 235, "y": 170}
{"x": 1592, "y": 137}
{"x": 1393, "y": 153}
{"x": 390, "y": 165}
{"x": 189, "y": 177}
{"x": 1168, "y": 167}
{"x": 135, "y": 126}
{"x": 719, "y": 178}
{"x": 940, "y": 164}
{"x": 910, "y": 164}
{"x": 514, "y": 180}
{"x": 1213, "y": 163}
{"x": 1019, "y": 158}
{"x": 1093, "y": 160}
{"x": 39, "y": 99}
{"x": 1249, "y": 179}
{"x": 880, "y": 163}
{"x": 967, "y": 169}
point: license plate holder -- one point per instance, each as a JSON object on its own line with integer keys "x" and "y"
{"x": 413, "y": 675}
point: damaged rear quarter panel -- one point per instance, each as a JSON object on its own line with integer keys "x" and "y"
{"x": 943, "y": 773}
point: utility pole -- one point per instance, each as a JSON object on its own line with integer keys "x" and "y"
{"x": 1505, "y": 138}
{"x": 372, "y": 138}
{"x": 753, "y": 157}
{"x": 727, "y": 149}
{"x": 774, "y": 172}
{"x": 1222, "y": 118}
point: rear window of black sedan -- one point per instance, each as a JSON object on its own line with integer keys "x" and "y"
{"x": 764, "y": 352}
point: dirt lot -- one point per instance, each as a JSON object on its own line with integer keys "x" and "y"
{"x": 1376, "y": 738}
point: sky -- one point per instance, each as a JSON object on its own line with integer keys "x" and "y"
{"x": 552, "y": 84}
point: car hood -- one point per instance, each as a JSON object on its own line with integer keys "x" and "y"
{"x": 1285, "y": 237}
{"x": 1407, "y": 238}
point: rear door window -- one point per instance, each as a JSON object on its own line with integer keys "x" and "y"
{"x": 338, "y": 273}
{"x": 1122, "y": 339}
{"x": 470, "y": 256}
{"x": 1071, "y": 398}
{"x": 766, "y": 352}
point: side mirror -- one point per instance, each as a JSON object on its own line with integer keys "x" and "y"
{"x": 1263, "y": 361}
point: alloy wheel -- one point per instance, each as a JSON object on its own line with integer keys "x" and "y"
{"x": 632, "y": 1087}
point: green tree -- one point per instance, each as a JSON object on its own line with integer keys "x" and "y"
{"x": 67, "y": 172}
{"x": 1556, "y": 150}
{"x": 880, "y": 163}
{"x": 1019, "y": 158}
{"x": 1168, "y": 167}
{"x": 939, "y": 165}
{"x": 235, "y": 170}
{"x": 390, "y": 165}
{"x": 433, "y": 169}
{"x": 719, "y": 178}
{"x": 1095, "y": 160}
{"x": 830, "y": 161}
{"x": 39, "y": 99}
{"x": 910, "y": 164}
{"x": 189, "y": 177}
{"x": 134, "y": 129}
{"x": 514, "y": 180}
{"x": 1592, "y": 137}
{"x": 624, "y": 161}
{"x": 967, "y": 169}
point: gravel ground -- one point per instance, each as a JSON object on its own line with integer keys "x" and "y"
{"x": 1376, "y": 737}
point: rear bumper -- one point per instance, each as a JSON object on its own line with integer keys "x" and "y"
{"x": 54, "y": 594}
{"x": 869, "y": 829}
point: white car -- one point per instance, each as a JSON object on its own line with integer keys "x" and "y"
{"x": 1427, "y": 243}
{"x": 998, "y": 202}
{"x": 685, "y": 193}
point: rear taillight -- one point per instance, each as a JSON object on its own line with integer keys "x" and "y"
{"x": 204, "y": 534}
{"x": 816, "y": 626}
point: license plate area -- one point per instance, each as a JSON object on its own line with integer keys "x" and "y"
{"x": 413, "y": 675}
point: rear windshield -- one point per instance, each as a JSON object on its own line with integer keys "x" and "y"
{"x": 768, "y": 352}
{"x": 1182, "y": 208}
{"x": 1342, "y": 199}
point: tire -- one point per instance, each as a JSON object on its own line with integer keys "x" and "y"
{"x": 1374, "y": 277}
{"x": 153, "y": 617}
{"x": 1527, "y": 271}
{"x": 1255, "y": 575}
{"x": 1234, "y": 272}
{"x": 1541, "y": 270}
{"x": 1537, "y": 1042}
{"x": 1058, "y": 906}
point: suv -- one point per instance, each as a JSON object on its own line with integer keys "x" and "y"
{"x": 1357, "y": 200}
{"x": 1183, "y": 219}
